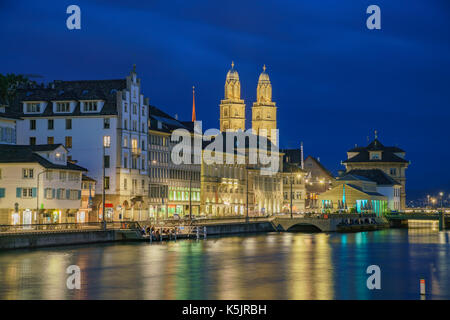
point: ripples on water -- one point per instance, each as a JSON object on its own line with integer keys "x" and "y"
{"x": 264, "y": 266}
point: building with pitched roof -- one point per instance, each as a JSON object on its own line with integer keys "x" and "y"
{"x": 38, "y": 185}
{"x": 99, "y": 122}
{"x": 390, "y": 160}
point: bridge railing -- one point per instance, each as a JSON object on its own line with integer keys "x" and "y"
{"x": 66, "y": 227}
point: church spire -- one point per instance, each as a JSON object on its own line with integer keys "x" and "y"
{"x": 193, "y": 104}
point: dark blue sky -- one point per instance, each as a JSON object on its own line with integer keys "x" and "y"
{"x": 334, "y": 80}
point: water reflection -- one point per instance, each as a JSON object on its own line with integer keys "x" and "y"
{"x": 269, "y": 266}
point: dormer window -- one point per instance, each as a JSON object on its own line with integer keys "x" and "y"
{"x": 33, "y": 107}
{"x": 63, "y": 107}
{"x": 375, "y": 156}
{"x": 90, "y": 106}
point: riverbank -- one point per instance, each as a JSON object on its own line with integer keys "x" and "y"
{"x": 37, "y": 239}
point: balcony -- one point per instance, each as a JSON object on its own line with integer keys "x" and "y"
{"x": 136, "y": 151}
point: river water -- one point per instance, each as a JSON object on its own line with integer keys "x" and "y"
{"x": 263, "y": 266}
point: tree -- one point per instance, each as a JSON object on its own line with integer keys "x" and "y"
{"x": 9, "y": 84}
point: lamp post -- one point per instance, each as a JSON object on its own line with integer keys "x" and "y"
{"x": 37, "y": 193}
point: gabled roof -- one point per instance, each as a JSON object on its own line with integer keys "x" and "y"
{"x": 168, "y": 123}
{"x": 320, "y": 165}
{"x": 86, "y": 178}
{"x": 105, "y": 90}
{"x": 375, "y": 175}
{"x": 45, "y": 147}
{"x": 366, "y": 192}
{"x": 26, "y": 154}
{"x": 388, "y": 154}
{"x": 376, "y": 145}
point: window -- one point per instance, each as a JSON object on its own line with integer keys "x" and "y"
{"x": 106, "y": 141}
{"x": 27, "y": 173}
{"x": 61, "y": 194}
{"x": 125, "y": 142}
{"x": 134, "y": 125}
{"x": 143, "y": 127}
{"x": 134, "y": 108}
{"x": 125, "y": 162}
{"x": 125, "y": 107}
{"x": 125, "y": 184}
{"x": 62, "y": 176}
{"x": 0, "y": 173}
{"x": 62, "y": 107}
{"x": 51, "y": 124}
{"x": 49, "y": 175}
{"x": 73, "y": 176}
{"x": 143, "y": 110}
{"x": 106, "y": 183}
{"x": 68, "y": 124}
{"x": 125, "y": 124}
{"x": 393, "y": 171}
{"x": 133, "y": 163}
{"x": 27, "y": 193}
{"x": 143, "y": 164}
{"x": 143, "y": 145}
{"x": 106, "y": 123}
{"x": 68, "y": 143}
{"x": 49, "y": 193}
{"x": 33, "y": 107}
{"x": 375, "y": 156}
{"x": 89, "y": 106}
{"x": 50, "y": 140}
{"x": 33, "y": 124}
{"x": 106, "y": 161}
{"x": 73, "y": 195}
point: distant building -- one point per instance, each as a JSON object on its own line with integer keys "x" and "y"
{"x": 353, "y": 194}
{"x": 294, "y": 189}
{"x": 8, "y": 121}
{"x": 318, "y": 180}
{"x": 173, "y": 188}
{"x": 85, "y": 116}
{"x": 385, "y": 185}
{"x": 390, "y": 160}
{"x": 38, "y": 185}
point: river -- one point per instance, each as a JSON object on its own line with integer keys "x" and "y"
{"x": 262, "y": 266}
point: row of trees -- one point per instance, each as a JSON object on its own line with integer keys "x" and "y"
{"x": 9, "y": 83}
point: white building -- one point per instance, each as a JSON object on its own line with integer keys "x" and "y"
{"x": 38, "y": 185}
{"x": 7, "y": 125}
{"x": 82, "y": 115}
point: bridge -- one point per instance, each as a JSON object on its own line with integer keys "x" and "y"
{"x": 330, "y": 224}
{"x": 397, "y": 220}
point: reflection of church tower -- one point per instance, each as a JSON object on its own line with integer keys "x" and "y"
{"x": 232, "y": 108}
{"x": 264, "y": 111}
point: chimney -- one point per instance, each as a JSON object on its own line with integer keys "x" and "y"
{"x": 341, "y": 173}
{"x": 318, "y": 159}
{"x": 176, "y": 116}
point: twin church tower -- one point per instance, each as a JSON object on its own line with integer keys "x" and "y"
{"x": 232, "y": 107}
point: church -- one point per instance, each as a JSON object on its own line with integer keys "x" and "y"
{"x": 240, "y": 188}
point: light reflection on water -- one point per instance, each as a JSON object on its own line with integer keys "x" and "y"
{"x": 265, "y": 266}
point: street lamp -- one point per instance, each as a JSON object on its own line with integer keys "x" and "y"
{"x": 37, "y": 193}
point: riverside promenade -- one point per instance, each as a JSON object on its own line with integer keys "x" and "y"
{"x": 45, "y": 235}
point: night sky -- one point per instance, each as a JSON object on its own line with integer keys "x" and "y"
{"x": 334, "y": 81}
